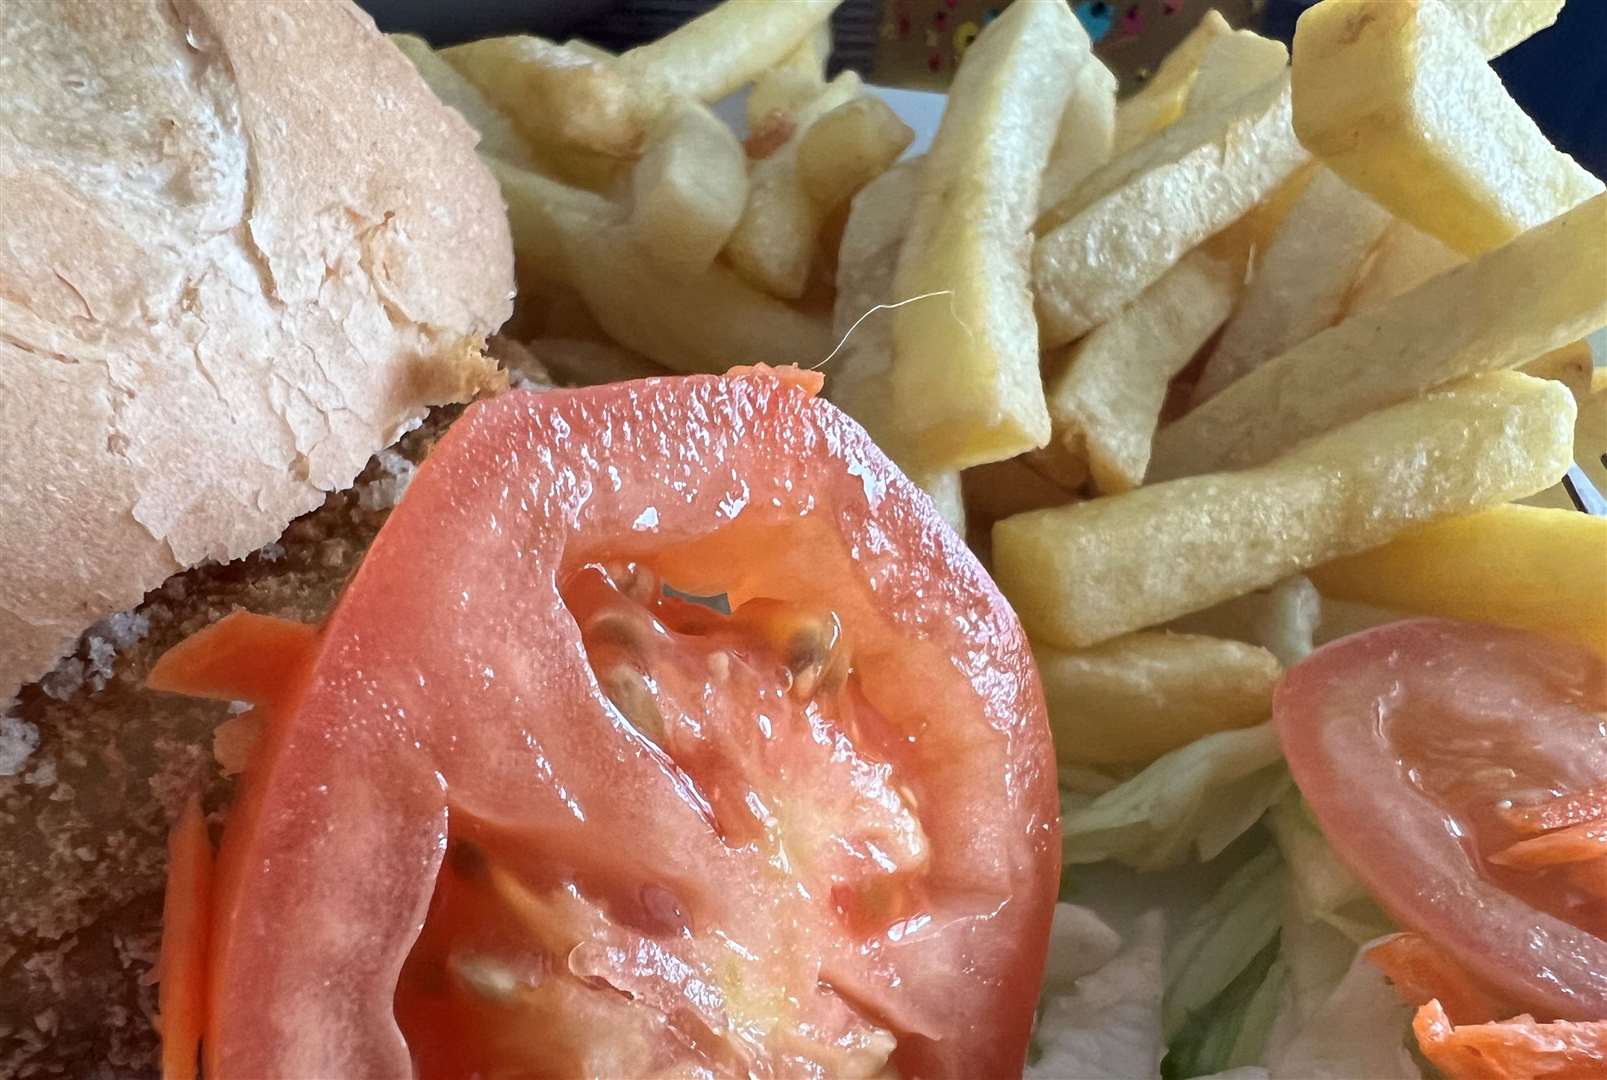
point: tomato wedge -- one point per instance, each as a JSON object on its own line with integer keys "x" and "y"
{"x": 530, "y": 811}
{"x": 1418, "y": 745}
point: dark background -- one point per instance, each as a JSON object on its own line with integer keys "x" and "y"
{"x": 1559, "y": 76}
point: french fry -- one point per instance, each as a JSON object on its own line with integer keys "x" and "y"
{"x": 725, "y": 48}
{"x": 1590, "y": 443}
{"x": 593, "y": 171}
{"x": 1340, "y": 619}
{"x": 1301, "y": 282}
{"x": 1402, "y": 260}
{"x": 792, "y": 83}
{"x": 965, "y": 370}
{"x": 497, "y": 134}
{"x": 1499, "y": 26}
{"x": 541, "y": 212}
{"x": 1002, "y": 489}
{"x": 699, "y": 322}
{"x": 578, "y": 98}
{"x": 1131, "y": 221}
{"x": 575, "y": 362}
{"x": 849, "y": 147}
{"x": 1373, "y": 85}
{"x": 859, "y": 376}
{"x": 1233, "y": 65}
{"x": 560, "y": 99}
{"x": 689, "y": 188}
{"x": 1282, "y": 620}
{"x": 547, "y": 310}
{"x": 1086, "y": 136}
{"x": 1495, "y": 312}
{"x": 1090, "y": 572}
{"x": 770, "y": 135}
{"x": 774, "y": 240}
{"x": 1519, "y": 566}
{"x": 1572, "y": 365}
{"x": 1246, "y": 241}
{"x": 704, "y": 322}
{"x": 589, "y": 50}
{"x": 1130, "y": 700}
{"x": 1405, "y": 257}
{"x": 1159, "y": 102}
{"x": 1106, "y": 398}
{"x": 1059, "y": 465}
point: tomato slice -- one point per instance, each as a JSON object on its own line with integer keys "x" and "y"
{"x": 1419, "y": 745}
{"x": 531, "y": 813}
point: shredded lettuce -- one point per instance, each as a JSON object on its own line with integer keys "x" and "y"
{"x": 1251, "y": 981}
{"x": 1224, "y": 938}
{"x": 1262, "y": 981}
{"x": 1108, "y": 1023}
{"x": 1080, "y": 943}
{"x": 1324, "y": 888}
{"x": 1361, "y": 1028}
{"x": 1316, "y": 956}
{"x": 1232, "y": 1029}
{"x": 1282, "y": 619}
{"x": 1338, "y": 1017}
{"x": 1193, "y": 801}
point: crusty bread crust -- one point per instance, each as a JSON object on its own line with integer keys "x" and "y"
{"x": 241, "y": 248}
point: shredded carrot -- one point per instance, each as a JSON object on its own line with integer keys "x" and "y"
{"x": 181, "y": 965}
{"x": 808, "y": 380}
{"x": 1576, "y": 843}
{"x": 1422, "y": 972}
{"x": 241, "y": 657}
{"x": 1516, "y": 1049}
{"x": 1574, "y": 808}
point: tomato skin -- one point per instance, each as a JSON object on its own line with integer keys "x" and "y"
{"x": 1407, "y": 740}
{"x": 450, "y": 680}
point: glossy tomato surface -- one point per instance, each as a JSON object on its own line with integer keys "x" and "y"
{"x": 529, "y": 813}
{"x": 1419, "y": 746}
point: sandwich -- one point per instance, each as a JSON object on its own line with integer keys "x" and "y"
{"x": 246, "y": 251}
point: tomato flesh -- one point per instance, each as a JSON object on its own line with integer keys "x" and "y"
{"x": 1419, "y": 745}
{"x": 530, "y": 814}
{"x": 785, "y": 786}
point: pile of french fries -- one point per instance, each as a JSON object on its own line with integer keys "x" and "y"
{"x": 1273, "y": 329}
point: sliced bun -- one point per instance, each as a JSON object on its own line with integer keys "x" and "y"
{"x": 242, "y": 247}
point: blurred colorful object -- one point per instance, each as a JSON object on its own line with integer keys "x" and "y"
{"x": 919, "y": 42}
{"x": 1096, "y": 17}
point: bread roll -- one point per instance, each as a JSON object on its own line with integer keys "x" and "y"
{"x": 242, "y": 247}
